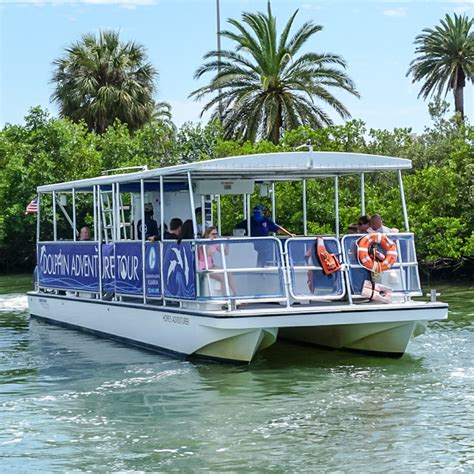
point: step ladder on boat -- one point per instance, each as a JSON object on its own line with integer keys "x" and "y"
{"x": 115, "y": 226}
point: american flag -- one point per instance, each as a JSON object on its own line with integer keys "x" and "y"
{"x": 32, "y": 207}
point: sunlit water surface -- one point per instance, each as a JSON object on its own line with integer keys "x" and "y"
{"x": 74, "y": 402}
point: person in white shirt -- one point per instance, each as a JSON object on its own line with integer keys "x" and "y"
{"x": 376, "y": 225}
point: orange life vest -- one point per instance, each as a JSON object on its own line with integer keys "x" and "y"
{"x": 328, "y": 261}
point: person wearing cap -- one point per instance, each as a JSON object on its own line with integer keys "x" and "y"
{"x": 151, "y": 227}
{"x": 261, "y": 226}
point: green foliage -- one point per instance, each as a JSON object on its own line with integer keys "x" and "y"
{"x": 198, "y": 142}
{"x": 44, "y": 151}
{"x": 154, "y": 145}
{"x": 439, "y": 190}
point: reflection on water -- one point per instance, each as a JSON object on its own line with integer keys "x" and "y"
{"x": 70, "y": 401}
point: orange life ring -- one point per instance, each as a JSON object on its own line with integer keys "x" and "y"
{"x": 369, "y": 259}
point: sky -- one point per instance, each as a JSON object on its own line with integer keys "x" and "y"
{"x": 375, "y": 38}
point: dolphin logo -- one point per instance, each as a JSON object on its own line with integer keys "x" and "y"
{"x": 171, "y": 268}
{"x": 178, "y": 256}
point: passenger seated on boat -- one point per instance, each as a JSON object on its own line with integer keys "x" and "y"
{"x": 352, "y": 229}
{"x": 206, "y": 259}
{"x": 174, "y": 230}
{"x": 376, "y": 225}
{"x": 187, "y": 231}
{"x": 363, "y": 224}
{"x": 85, "y": 233}
{"x": 151, "y": 227}
{"x": 261, "y": 226}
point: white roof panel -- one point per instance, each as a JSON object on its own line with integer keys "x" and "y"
{"x": 284, "y": 166}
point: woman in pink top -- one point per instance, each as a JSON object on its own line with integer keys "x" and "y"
{"x": 206, "y": 259}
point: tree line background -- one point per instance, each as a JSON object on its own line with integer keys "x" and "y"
{"x": 265, "y": 94}
{"x": 439, "y": 189}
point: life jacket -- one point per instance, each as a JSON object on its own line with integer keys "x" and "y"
{"x": 328, "y": 261}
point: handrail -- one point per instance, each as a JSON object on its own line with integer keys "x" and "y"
{"x": 403, "y": 266}
{"x": 281, "y": 278}
{"x": 337, "y": 281}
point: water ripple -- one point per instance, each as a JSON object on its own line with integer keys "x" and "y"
{"x": 73, "y": 402}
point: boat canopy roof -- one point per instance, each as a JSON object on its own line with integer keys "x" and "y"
{"x": 265, "y": 167}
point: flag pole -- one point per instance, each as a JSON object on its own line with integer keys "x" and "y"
{"x": 218, "y": 15}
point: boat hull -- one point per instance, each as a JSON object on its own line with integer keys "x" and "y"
{"x": 238, "y": 335}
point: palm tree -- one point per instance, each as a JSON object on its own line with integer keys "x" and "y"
{"x": 162, "y": 113}
{"x": 262, "y": 86}
{"x": 446, "y": 59}
{"x": 100, "y": 79}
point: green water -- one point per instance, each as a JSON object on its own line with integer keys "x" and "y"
{"x": 73, "y": 402}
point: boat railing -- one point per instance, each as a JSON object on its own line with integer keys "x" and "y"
{"x": 306, "y": 276}
{"x": 248, "y": 270}
{"x": 219, "y": 271}
{"x": 403, "y": 278}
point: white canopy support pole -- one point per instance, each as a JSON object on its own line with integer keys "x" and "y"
{"x": 55, "y": 233}
{"x": 203, "y": 215}
{"x": 94, "y": 199}
{"x": 336, "y": 203}
{"x": 362, "y": 194}
{"x": 99, "y": 238}
{"x": 162, "y": 210}
{"x": 74, "y": 233}
{"x": 38, "y": 237}
{"x": 402, "y": 196}
{"x": 248, "y": 214}
{"x": 211, "y": 200}
{"x": 305, "y": 222}
{"x": 142, "y": 213}
{"x": 244, "y": 198}
{"x": 162, "y": 235}
{"x": 274, "y": 211}
{"x": 191, "y": 200}
{"x": 219, "y": 224}
{"x": 38, "y": 219}
{"x": 118, "y": 208}
{"x": 117, "y": 213}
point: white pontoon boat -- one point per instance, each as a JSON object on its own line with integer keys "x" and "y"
{"x": 159, "y": 295}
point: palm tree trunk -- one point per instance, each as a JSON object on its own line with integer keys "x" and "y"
{"x": 275, "y": 135}
{"x": 459, "y": 100}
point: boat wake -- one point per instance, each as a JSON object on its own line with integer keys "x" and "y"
{"x": 13, "y": 302}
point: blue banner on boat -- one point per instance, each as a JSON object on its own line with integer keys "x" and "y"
{"x": 179, "y": 271}
{"x": 69, "y": 266}
{"x": 108, "y": 268}
{"x": 128, "y": 268}
{"x": 153, "y": 270}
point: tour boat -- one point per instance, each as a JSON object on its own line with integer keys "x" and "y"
{"x": 162, "y": 295}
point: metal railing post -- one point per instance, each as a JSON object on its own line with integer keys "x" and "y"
{"x": 219, "y": 223}
{"x": 74, "y": 233}
{"x": 305, "y": 224}
{"x": 55, "y": 233}
{"x": 142, "y": 199}
{"x": 99, "y": 239}
{"x": 274, "y": 211}
{"x": 402, "y": 196}
{"x": 336, "y": 203}
{"x": 191, "y": 201}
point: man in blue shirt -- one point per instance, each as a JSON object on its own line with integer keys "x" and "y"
{"x": 261, "y": 226}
